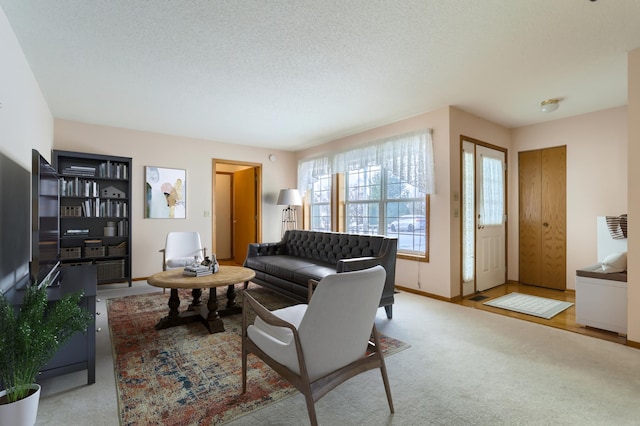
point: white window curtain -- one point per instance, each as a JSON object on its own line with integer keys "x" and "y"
{"x": 409, "y": 156}
{"x": 468, "y": 224}
{"x": 492, "y": 192}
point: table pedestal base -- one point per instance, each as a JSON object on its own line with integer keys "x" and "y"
{"x": 209, "y": 315}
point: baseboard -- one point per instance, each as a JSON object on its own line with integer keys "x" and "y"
{"x": 424, "y": 293}
{"x": 633, "y": 344}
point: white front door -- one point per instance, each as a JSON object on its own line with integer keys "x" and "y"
{"x": 490, "y": 218}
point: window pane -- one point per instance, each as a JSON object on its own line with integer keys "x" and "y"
{"x": 468, "y": 217}
{"x": 320, "y": 204}
{"x": 363, "y": 218}
{"x": 406, "y": 218}
{"x": 492, "y": 192}
{"x": 364, "y": 190}
{"x": 364, "y": 184}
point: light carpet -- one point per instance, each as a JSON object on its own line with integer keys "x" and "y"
{"x": 530, "y": 305}
{"x": 184, "y": 375}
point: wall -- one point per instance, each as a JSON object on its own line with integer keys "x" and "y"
{"x": 25, "y": 119}
{"x": 596, "y": 178}
{"x": 427, "y": 277}
{"x": 441, "y": 275}
{"x": 633, "y": 191}
{"x": 194, "y": 155}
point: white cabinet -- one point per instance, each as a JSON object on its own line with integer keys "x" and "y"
{"x": 601, "y": 303}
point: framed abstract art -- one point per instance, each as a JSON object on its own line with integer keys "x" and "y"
{"x": 165, "y": 193}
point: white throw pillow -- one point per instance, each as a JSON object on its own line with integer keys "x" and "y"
{"x": 180, "y": 262}
{"x": 616, "y": 262}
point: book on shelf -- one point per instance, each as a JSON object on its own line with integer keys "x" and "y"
{"x": 113, "y": 170}
{"x": 93, "y": 243}
{"x": 79, "y": 171}
{"x": 75, "y": 232}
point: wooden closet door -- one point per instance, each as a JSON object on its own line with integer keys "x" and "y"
{"x": 530, "y": 217}
{"x": 542, "y": 214}
{"x": 554, "y": 226}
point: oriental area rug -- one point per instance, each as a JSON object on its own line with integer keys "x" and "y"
{"x": 530, "y": 305}
{"x": 185, "y": 376}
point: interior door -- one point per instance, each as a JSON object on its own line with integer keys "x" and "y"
{"x": 530, "y": 231}
{"x": 554, "y": 261}
{"x": 224, "y": 218}
{"x": 491, "y": 264}
{"x": 244, "y": 212}
{"x": 542, "y": 206}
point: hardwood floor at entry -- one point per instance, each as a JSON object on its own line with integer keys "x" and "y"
{"x": 565, "y": 320}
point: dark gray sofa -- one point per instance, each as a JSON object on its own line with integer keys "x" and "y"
{"x": 287, "y": 266}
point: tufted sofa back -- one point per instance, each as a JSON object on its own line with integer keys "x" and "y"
{"x": 330, "y": 247}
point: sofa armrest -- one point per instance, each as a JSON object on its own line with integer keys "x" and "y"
{"x": 357, "y": 263}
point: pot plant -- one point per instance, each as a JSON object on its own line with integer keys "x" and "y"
{"x": 30, "y": 335}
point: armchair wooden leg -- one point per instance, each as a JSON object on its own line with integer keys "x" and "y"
{"x": 383, "y": 369}
{"x": 245, "y": 309}
{"x": 244, "y": 368}
{"x": 311, "y": 408}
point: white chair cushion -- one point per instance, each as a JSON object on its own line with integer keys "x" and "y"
{"x": 180, "y": 262}
{"x": 277, "y": 342}
{"x": 616, "y": 262}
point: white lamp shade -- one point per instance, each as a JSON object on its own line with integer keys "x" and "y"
{"x": 289, "y": 197}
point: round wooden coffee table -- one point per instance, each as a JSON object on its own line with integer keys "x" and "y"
{"x": 209, "y": 315}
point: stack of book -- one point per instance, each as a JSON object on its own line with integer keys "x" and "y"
{"x": 80, "y": 171}
{"x": 197, "y": 271}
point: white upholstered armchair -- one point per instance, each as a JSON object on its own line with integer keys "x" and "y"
{"x": 318, "y": 346}
{"x": 182, "y": 249}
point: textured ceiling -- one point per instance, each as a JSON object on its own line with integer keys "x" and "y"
{"x": 290, "y": 74}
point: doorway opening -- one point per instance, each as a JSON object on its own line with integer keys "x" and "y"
{"x": 483, "y": 216}
{"x": 237, "y": 208}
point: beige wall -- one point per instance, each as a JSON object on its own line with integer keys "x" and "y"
{"x": 633, "y": 300}
{"x": 441, "y": 275}
{"x": 596, "y": 178}
{"x": 25, "y": 119}
{"x": 194, "y": 155}
{"x": 429, "y": 277}
{"x": 598, "y": 138}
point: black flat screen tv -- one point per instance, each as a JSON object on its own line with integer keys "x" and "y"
{"x": 15, "y": 187}
{"x": 45, "y": 228}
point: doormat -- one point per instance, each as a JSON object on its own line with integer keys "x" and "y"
{"x": 478, "y": 298}
{"x": 530, "y": 305}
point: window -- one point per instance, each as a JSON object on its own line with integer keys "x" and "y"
{"x": 320, "y": 204}
{"x": 492, "y": 192}
{"x": 386, "y": 187}
{"x": 406, "y": 215}
{"x": 362, "y": 200}
{"x": 378, "y": 202}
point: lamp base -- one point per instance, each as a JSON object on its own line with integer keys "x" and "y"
{"x": 289, "y": 219}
